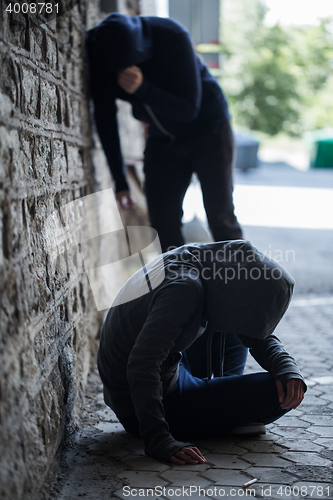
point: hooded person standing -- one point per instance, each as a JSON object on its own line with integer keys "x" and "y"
{"x": 204, "y": 306}
{"x": 151, "y": 63}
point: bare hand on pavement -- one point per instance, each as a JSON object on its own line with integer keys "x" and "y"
{"x": 188, "y": 455}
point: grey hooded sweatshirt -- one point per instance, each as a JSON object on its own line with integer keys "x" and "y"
{"x": 230, "y": 286}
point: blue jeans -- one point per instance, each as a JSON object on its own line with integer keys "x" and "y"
{"x": 200, "y": 408}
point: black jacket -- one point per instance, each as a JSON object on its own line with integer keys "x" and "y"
{"x": 230, "y": 284}
{"x": 177, "y": 96}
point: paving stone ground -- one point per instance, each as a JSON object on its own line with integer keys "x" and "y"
{"x": 293, "y": 460}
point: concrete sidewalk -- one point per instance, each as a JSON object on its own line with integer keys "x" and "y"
{"x": 293, "y": 460}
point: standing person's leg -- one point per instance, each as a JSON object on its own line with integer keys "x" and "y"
{"x": 197, "y": 408}
{"x": 168, "y": 174}
{"x": 212, "y": 157}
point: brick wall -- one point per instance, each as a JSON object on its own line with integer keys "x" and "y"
{"x": 48, "y": 318}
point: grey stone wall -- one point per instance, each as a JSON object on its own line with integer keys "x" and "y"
{"x": 48, "y": 318}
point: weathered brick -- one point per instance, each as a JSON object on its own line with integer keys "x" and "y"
{"x": 49, "y": 102}
{"x": 62, "y": 107}
{"x": 53, "y": 395}
{"x": 51, "y": 53}
{"x": 8, "y": 143}
{"x": 26, "y": 154}
{"x": 42, "y": 158}
{"x": 1, "y": 244}
{"x": 70, "y": 73}
{"x": 13, "y": 228}
{"x": 9, "y": 85}
{"x": 75, "y": 160}
{"x": 30, "y": 92}
{"x": 38, "y": 44}
{"x": 60, "y": 167}
{"x": 76, "y": 120}
{"x": 16, "y": 29}
{"x": 76, "y": 40}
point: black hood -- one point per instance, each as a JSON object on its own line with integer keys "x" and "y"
{"x": 247, "y": 293}
{"x": 121, "y": 41}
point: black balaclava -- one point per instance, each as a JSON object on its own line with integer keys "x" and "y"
{"x": 120, "y": 41}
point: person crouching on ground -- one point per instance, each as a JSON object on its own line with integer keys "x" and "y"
{"x": 172, "y": 360}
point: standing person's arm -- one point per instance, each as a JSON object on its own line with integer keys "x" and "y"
{"x": 103, "y": 93}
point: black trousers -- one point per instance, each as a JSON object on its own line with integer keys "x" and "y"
{"x": 168, "y": 170}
